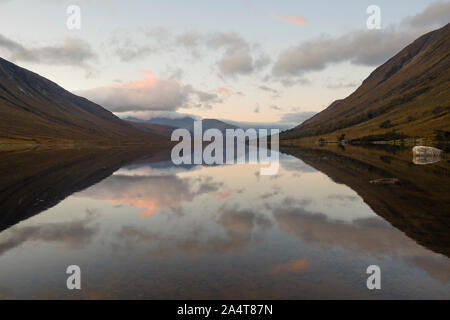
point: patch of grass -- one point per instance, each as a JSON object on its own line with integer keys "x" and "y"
{"x": 388, "y": 136}
{"x": 386, "y": 124}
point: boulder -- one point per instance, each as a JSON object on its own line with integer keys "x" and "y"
{"x": 426, "y": 155}
{"x": 426, "y": 151}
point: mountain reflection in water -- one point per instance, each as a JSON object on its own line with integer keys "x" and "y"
{"x": 140, "y": 227}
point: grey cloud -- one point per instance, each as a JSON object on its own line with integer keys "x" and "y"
{"x": 132, "y": 52}
{"x": 72, "y": 51}
{"x": 296, "y": 165}
{"x": 73, "y": 235}
{"x": 189, "y": 39}
{"x": 162, "y": 35}
{"x": 341, "y": 85}
{"x": 363, "y": 235}
{"x": 241, "y": 63}
{"x": 437, "y": 267}
{"x": 275, "y": 93}
{"x": 238, "y": 56}
{"x": 238, "y": 225}
{"x": 436, "y": 14}
{"x": 204, "y": 97}
{"x": 342, "y": 197}
{"x": 362, "y": 47}
{"x": 238, "y": 63}
{"x": 296, "y": 118}
{"x": 153, "y": 41}
{"x": 231, "y": 41}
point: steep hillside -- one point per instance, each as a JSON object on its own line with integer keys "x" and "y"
{"x": 33, "y": 109}
{"x": 407, "y": 96}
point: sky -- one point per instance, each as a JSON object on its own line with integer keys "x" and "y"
{"x": 248, "y": 60}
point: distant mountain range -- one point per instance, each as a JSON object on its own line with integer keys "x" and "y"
{"x": 164, "y": 124}
{"x": 34, "y": 109}
{"x": 408, "y": 96}
{"x": 160, "y": 129}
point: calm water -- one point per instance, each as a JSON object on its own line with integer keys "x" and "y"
{"x": 140, "y": 227}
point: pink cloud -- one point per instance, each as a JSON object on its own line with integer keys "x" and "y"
{"x": 224, "y": 195}
{"x": 149, "y": 93}
{"x": 224, "y": 90}
{"x": 296, "y": 20}
{"x": 298, "y": 265}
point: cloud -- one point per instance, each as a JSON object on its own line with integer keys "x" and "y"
{"x": 341, "y": 85}
{"x": 436, "y": 14}
{"x": 149, "y": 114}
{"x": 73, "y": 235}
{"x": 189, "y": 39}
{"x": 239, "y": 57}
{"x": 129, "y": 51}
{"x": 238, "y": 226}
{"x": 275, "y": 93}
{"x": 296, "y": 118}
{"x": 367, "y": 235}
{"x": 224, "y": 91}
{"x": 257, "y": 109}
{"x": 295, "y": 20}
{"x": 239, "y": 63}
{"x": 149, "y": 94}
{"x": 71, "y": 51}
{"x": 369, "y": 48}
{"x": 230, "y": 41}
{"x": 150, "y": 192}
{"x": 360, "y": 47}
{"x": 161, "y": 34}
{"x": 298, "y": 265}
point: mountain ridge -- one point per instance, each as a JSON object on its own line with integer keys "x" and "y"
{"x": 186, "y": 123}
{"x": 408, "y": 94}
{"x": 34, "y": 109}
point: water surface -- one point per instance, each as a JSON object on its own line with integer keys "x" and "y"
{"x": 140, "y": 227}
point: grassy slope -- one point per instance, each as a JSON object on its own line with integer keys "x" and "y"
{"x": 410, "y": 90}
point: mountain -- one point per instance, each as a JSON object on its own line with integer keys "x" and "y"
{"x": 408, "y": 96}
{"x": 187, "y": 123}
{"x": 34, "y": 109}
{"x": 156, "y": 128}
{"x": 34, "y": 181}
{"x": 418, "y": 204}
